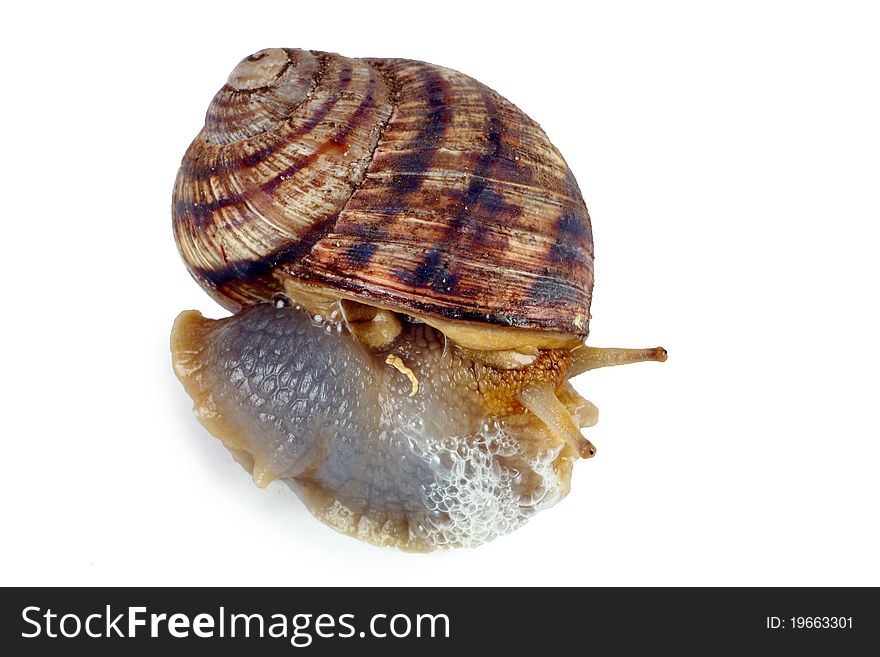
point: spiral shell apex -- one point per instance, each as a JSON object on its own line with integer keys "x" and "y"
{"x": 395, "y": 182}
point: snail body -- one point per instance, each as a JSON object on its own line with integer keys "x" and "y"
{"x": 428, "y": 470}
{"x": 410, "y": 262}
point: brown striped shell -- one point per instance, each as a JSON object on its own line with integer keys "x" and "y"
{"x": 393, "y": 182}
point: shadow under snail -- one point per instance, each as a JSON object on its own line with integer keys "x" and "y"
{"x": 410, "y": 264}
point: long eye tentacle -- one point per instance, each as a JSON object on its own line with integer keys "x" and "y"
{"x": 586, "y": 358}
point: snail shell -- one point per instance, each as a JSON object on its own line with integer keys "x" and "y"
{"x": 388, "y": 181}
{"x": 410, "y": 262}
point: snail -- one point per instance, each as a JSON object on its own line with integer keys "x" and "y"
{"x": 409, "y": 261}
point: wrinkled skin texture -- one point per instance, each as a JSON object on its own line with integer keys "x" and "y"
{"x": 306, "y": 403}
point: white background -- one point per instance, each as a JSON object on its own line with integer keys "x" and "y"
{"x": 730, "y": 157}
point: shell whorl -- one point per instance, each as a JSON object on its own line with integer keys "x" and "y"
{"x": 394, "y": 181}
{"x": 261, "y": 92}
